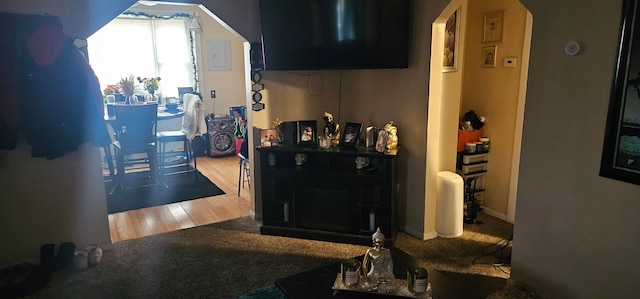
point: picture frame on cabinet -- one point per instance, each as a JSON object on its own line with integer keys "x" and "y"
{"x": 381, "y": 141}
{"x": 350, "y": 135}
{"x": 268, "y": 137}
{"x": 307, "y": 132}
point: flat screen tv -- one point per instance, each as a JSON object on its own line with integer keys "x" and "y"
{"x": 335, "y": 34}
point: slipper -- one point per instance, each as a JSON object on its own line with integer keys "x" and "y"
{"x": 46, "y": 256}
{"x": 64, "y": 256}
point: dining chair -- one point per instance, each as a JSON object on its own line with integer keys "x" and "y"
{"x": 245, "y": 169}
{"x": 135, "y": 135}
{"x": 192, "y": 125}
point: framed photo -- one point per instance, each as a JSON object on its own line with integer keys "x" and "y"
{"x": 182, "y": 91}
{"x": 268, "y": 137}
{"x": 307, "y": 132}
{"x": 381, "y": 142}
{"x": 493, "y": 26}
{"x": 621, "y": 147}
{"x": 489, "y": 56}
{"x": 372, "y": 135}
{"x": 350, "y": 135}
{"x": 451, "y": 33}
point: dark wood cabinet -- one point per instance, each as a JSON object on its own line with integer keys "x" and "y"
{"x": 326, "y": 197}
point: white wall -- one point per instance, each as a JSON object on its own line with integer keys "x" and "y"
{"x": 575, "y": 232}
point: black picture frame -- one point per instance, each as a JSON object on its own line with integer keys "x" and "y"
{"x": 621, "y": 146}
{"x": 307, "y": 132}
{"x": 350, "y": 135}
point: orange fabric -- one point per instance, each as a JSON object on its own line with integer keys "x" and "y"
{"x": 464, "y": 137}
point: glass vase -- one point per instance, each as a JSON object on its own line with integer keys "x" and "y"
{"x": 132, "y": 100}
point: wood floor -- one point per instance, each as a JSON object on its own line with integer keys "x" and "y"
{"x": 149, "y": 221}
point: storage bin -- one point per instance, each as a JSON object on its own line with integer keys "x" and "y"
{"x": 464, "y": 137}
{"x": 473, "y": 168}
{"x": 477, "y": 158}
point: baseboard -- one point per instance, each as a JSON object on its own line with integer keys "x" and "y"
{"x": 490, "y": 212}
{"x": 36, "y": 261}
{"x": 253, "y": 215}
{"x": 418, "y": 234}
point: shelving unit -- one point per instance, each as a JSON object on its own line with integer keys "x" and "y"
{"x": 472, "y": 167}
{"x": 327, "y": 198}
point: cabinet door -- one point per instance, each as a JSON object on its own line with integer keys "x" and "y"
{"x": 322, "y": 204}
{"x": 277, "y": 199}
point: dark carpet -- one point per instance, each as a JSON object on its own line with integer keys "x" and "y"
{"x": 174, "y": 188}
{"x": 231, "y": 259}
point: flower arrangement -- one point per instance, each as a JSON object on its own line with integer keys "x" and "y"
{"x": 127, "y": 85}
{"x": 150, "y": 84}
{"x": 111, "y": 89}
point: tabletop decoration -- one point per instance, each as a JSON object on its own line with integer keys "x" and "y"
{"x": 128, "y": 87}
{"x": 111, "y": 90}
{"x": 150, "y": 84}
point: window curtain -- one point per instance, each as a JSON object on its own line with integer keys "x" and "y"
{"x": 143, "y": 47}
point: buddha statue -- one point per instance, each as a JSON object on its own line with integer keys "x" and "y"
{"x": 377, "y": 263}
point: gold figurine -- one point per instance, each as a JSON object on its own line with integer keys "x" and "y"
{"x": 331, "y": 129}
{"x": 392, "y": 140}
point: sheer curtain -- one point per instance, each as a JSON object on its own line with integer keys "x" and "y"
{"x": 143, "y": 47}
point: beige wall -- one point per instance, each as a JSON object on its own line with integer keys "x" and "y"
{"x": 228, "y": 84}
{"x": 576, "y": 232}
{"x": 300, "y": 95}
{"x": 494, "y": 94}
{"x": 50, "y": 201}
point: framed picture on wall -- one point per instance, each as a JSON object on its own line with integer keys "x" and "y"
{"x": 307, "y": 132}
{"x": 621, "y": 148}
{"x": 493, "y": 26}
{"x": 489, "y": 56}
{"x": 240, "y": 110}
{"x": 451, "y": 33}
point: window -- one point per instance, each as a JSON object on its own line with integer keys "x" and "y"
{"x": 144, "y": 47}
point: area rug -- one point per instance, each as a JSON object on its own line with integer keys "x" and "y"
{"x": 174, "y": 188}
{"x": 272, "y": 292}
{"x": 230, "y": 259}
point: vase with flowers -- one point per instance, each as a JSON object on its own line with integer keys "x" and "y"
{"x": 110, "y": 91}
{"x": 151, "y": 86}
{"x": 128, "y": 86}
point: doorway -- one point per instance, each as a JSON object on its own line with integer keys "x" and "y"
{"x": 496, "y": 91}
{"x": 232, "y": 89}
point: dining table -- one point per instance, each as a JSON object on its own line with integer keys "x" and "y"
{"x": 163, "y": 112}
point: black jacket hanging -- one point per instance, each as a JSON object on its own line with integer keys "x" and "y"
{"x": 60, "y": 103}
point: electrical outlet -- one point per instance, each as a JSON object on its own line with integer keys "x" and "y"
{"x": 213, "y": 94}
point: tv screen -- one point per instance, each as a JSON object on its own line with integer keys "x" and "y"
{"x": 335, "y": 34}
